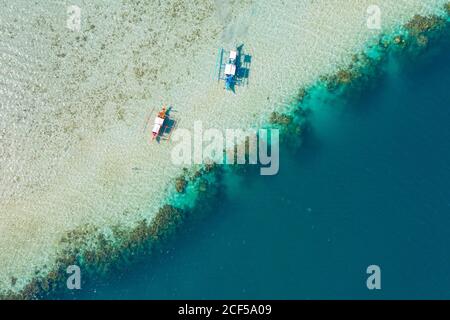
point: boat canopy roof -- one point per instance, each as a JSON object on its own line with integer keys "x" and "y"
{"x": 233, "y": 55}
{"x": 230, "y": 69}
{"x": 159, "y": 120}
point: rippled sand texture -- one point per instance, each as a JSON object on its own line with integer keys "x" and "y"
{"x": 73, "y": 105}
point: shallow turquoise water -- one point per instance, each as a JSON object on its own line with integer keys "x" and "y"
{"x": 370, "y": 185}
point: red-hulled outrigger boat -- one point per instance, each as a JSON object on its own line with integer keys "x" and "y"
{"x": 159, "y": 122}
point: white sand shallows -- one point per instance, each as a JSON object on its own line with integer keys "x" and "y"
{"x": 73, "y": 104}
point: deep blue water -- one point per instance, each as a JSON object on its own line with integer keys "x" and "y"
{"x": 370, "y": 185}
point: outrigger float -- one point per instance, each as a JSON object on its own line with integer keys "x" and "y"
{"x": 159, "y": 123}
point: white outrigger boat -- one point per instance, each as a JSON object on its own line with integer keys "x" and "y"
{"x": 230, "y": 70}
{"x": 227, "y": 70}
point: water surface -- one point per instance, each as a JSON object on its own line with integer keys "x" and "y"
{"x": 370, "y": 185}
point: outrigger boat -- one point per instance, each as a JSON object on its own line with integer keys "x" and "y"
{"x": 230, "y": 70}
{"x": 159, "y": 122}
